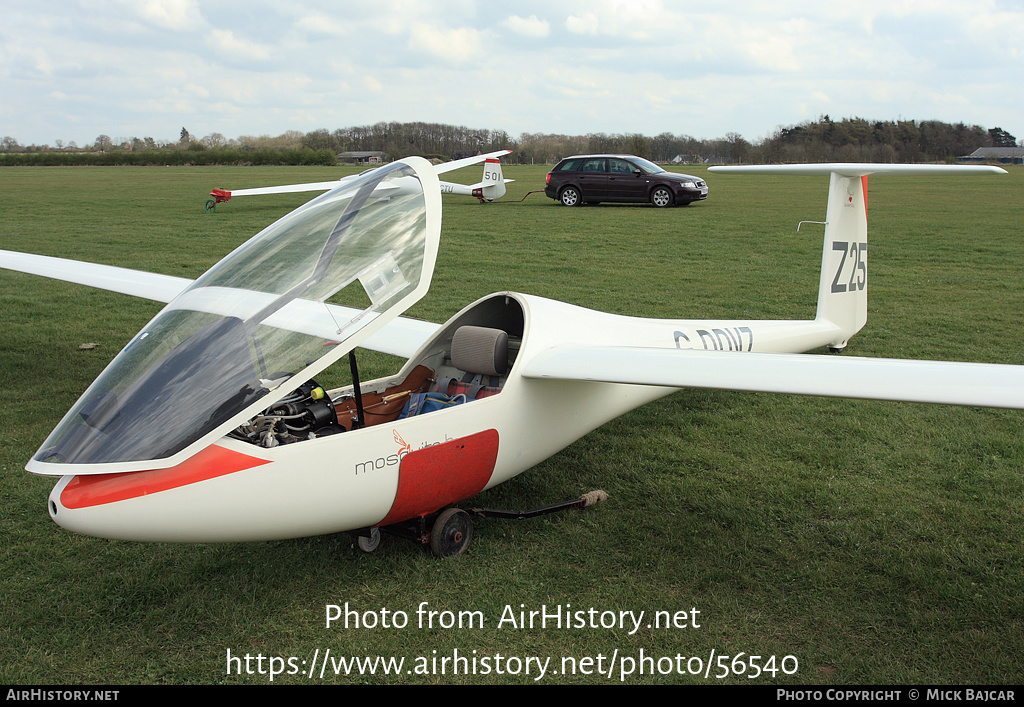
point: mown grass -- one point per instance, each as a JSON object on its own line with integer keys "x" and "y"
{"x": 878, "y": 543}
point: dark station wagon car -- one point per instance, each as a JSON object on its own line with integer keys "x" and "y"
{"x": 596, "y": 178}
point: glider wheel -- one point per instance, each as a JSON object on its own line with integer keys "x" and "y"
{"x": 369, "y": 543}
{"x": 211, "y": 206}
{"x": 451, "y": 533}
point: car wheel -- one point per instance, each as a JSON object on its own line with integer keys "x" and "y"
{"x": 661, "y": 197}
{"x": 570, "y": 196}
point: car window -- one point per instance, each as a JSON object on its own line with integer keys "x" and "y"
{"x": 570, "y": 166}
{"x": 648, "y": 167}
{"x": 594, "y": 165}
{"x": 620, "y": 167}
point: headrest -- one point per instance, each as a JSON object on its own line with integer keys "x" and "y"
{"x": 481, "y": 350}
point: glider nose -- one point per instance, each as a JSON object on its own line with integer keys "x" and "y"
{"x": 59, "y": 513}
{"x": 97, "y": 517}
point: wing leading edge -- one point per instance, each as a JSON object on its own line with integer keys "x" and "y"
{"x": 944, "y": 382}
{"x": 151, "y": 286}
{"x": 400, "y": 337}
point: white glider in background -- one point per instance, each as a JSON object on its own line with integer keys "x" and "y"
{"x": 490, "y": 187}
{"x": 210, "y": 425}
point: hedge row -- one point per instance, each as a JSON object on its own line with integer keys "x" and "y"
{"x": 262, "y": 156}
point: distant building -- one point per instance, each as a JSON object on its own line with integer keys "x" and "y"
{"x": 362, "y": 157}
{"x": 687, "y": 159}
{"x": 1003, "y": 155}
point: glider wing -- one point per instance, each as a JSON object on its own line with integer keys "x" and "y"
{"x": 947, "y": 382}
{"x": 467, "y": 161}
{"x": 400, "y": 337}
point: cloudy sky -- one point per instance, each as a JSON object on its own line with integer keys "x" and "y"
{"x": 135, "y": 68}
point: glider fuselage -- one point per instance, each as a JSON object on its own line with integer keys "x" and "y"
{"x": 235, "y": 490}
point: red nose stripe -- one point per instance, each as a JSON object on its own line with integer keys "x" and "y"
{"x": 97, "y": 489}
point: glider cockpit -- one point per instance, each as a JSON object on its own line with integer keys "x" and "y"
{"x": 468, "y": 360}
{"x": 252, "y": 330}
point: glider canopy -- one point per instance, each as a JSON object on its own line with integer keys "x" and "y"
{"x": 280, "y": 308}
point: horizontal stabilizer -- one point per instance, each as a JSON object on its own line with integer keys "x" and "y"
{"x": 979, "y": 384}
{"x": 858, "y": 169}
{"x": 479, "y": 185}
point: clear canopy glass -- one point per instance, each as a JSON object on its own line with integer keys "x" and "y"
{"x": 281, "y": 307}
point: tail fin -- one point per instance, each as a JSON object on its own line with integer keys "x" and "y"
{"x": 843, "y": 288}
{"x": 492, "y": 185}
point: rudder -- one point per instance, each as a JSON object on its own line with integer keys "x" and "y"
{"x": 493, "y": 183}
{"x": 843, "y": 287}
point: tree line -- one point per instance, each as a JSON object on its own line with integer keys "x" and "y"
{"x": 823, "y": 140}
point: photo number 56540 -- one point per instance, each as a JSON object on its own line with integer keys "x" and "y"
{"x": 857, "y": 254}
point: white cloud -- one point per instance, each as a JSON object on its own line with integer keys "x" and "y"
{"x": 318, "y": 23}
{"x": 637, "y": 20}
{"x": 170, "y": 14}
{"x": 453, "y": 45}
{"x": 528, "y": 27}
{"x": 588, "y": 23}
{"x": 226, "y": 41}
{"x": 196, "y": 90}
{"x": 773, "y": 49}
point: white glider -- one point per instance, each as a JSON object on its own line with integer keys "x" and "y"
{"x": 490, "y": 187}
{"x": 210, "y": 426}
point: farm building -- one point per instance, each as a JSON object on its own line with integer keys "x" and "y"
{"x": 369, "y": 157}
{"x": 1003, "y": 155}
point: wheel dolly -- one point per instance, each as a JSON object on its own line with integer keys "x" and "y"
{"x": 449, "y": 531}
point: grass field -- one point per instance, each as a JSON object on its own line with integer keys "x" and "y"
{"x": 876, "y": 543}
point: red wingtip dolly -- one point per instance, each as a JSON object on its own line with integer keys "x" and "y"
{"x": 220, "y": 195}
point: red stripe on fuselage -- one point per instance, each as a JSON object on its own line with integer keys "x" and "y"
{"x": 98, "y": 489}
